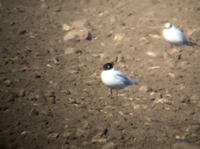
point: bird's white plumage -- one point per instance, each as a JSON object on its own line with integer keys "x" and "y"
{"x": 174, "y": 36}
{"x": 116, "y": 79}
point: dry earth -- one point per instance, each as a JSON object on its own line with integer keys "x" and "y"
{"x": 51, "y": 93}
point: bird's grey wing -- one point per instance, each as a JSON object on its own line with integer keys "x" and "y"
{"x": 120, "y": 75}
{"x": 184, "y": 39}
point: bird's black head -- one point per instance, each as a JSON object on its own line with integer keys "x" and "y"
{"x": 107, "y": 66}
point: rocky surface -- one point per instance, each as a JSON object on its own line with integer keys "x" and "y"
{"x": 50, "y": 87}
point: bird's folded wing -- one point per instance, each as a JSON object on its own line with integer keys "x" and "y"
{"x": 122, "y": 77}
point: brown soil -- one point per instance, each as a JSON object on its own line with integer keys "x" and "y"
{"x": 51, "y": 93}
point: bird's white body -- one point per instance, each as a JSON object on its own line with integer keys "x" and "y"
{"x": 115, "y": 79}
{"x": 174, "y": 36}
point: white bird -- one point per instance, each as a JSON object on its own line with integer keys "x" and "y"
{"x": 174, "y": 36}
{"x": 115, "y": 79}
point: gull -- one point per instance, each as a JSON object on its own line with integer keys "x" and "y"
{"x": 115, "y": 79}
{"x": 174, "y": 36}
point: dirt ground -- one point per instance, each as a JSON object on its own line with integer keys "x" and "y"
{"x": 51, "y": 94}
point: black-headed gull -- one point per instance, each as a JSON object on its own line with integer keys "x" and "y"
{"x": 115, "y": 79}
{"x": 174, "y": 36}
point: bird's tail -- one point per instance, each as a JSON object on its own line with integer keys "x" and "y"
{"x": 133, "y": 82}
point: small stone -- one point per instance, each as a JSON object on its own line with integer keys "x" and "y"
{"x": 66, "y": 27}
{"x": 154, "y": 35}
{"x": 69, "y": 50}
{"x": 172, "y": 75}
{"x": 22, "y": 32}
{"x": 86, "y": 125}
{"x": 103, "y": 140}
{"x": 48, "y": 65}
{"x": 118, "y": 37}
{"x": 51, "y": 100}
{"x": 184, "y": 145}
{"x": 163, "y": 101}
{"x": 82, "y": 34}
{"x": 151, "y": 53}
{"x": 194, "y": 99}
{"x": 72, "y": 101}
{"x": 89, "y": 82}
{"x": 145, "y": 89}
{"x": 74, "y": 70}
{"x": 44, "y": 6}
{"x": 109, "y": 145}
{"x": 7, "y": 83}
{"x": 120, "y": 58}
{"x": 53, "y": 135}
{"x": 23, "y": 69}
{"x": 21, "y": 93}
{"x": 55, "y": 60}
{"x": 34, "y": 112}
{"x": 24, "y": 132}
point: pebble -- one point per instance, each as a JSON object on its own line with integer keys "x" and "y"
{"x": 70, "y": 50}
{"x": 118, "y": 37}
{"x": 66, "y": 27}
{"x": 120, "y": 58}
{"x": 171, "y": 75}
{"x": 22, "y": 32}
{"x": 51, "y": 100}
{"x": 74, "y": 71}
{"x": 78, "y": 35}
{"x": 145, "y": 89}
{"x": 154, "y": 36}
{"x": 194, "y": 99}
{"x": 184, "y": 145}
{"x": 89, "y": 82}
{"x": 7, "y": 83}
{"x": 72, "y": 101}
{"x": 53, "y": 135}
{"x": 103, "y": 140}
{"x": 163, "y": 101}
{"x": 44, "y": 6}
{"x": 109, "y": 145}
{"x": 34, "y": 112}
{"x": 21, "y": 93}
{"x": 151, "y": 54}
